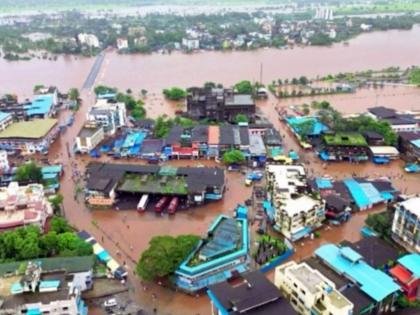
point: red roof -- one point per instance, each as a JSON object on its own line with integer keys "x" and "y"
{"x": 401, "y": 274}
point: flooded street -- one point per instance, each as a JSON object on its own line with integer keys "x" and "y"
{"x": 129, "y": 232}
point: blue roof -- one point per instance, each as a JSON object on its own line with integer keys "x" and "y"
{"x": 373, "y": 282}
{"x": 411, "y": 262}
{"x": 51, "y": 169}
{"x": 364, "y": 194}
{"x": 106, "y": 96}
{"x": 49, "y": 284}
{"x": 323, "y": 183}
{"x": 416, "y": 143}
{"x": 318, "y": 127}
{"x": 4, "y": 115}
{"x": 41, "y": 105}
{"x": 34, "y": 311}
{"x": 16, "y": 288}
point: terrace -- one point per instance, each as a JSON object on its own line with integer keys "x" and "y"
{"x": 153, "y": 183}
{"x": 345, "y": 139}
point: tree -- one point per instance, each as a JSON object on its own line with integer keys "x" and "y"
{"x": 162, "y": 127}
{"x": 233, "y": 157}
{"x": 29, "y": 172}
{"x": 305, "y": 128}
{"x": 49, "y": 243}
{"x": 128, "y": 91}
{"x": 69, "y": 244}
{"x": 241, "y": 118}
{"x": 295, "y": 81}
{"x": 381, "y": 223}
{"x": 143, "y": 93}
{"x": 303, "y": 80}
{"x": 164, "y": 255}
{"x": 244, "y": 87}
{"x": 38, "y": 87}
{"x": 60, "y": 225}
{"x": 74, "y": 94}
{"x": 56, "y": 202}
{"x": 414, "y": 76}
{"x": 174, "y": 93}
{"x": 103, "y": 89}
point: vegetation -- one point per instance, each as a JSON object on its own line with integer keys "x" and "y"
{"x": 241, "y": 118}
{"x": 305, "y": 128}
{"x": 74, "y": 94}
{"x": 414, "y": 77}
{"x": 103, "y": 89}
{"x": 162, "y": 126}
{"x": 164, "y": 255}
{"x": 403, "y": 302}
{"x": 233, "y": 157}
{"x": 244, "y": 87}
{"x": 268, "y": 249}
{"x": 175, "y": 93}
{"x": 56, "y": 202}
{"x": 28, "y": 243}
{"x": 380, "y": 223}
{"x": 29, "y": 172}
{"x": 134, "y": 107}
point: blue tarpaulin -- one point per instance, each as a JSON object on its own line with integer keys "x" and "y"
{"x": 323, "y": 183}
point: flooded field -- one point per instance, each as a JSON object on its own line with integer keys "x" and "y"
{"x": 127, "y": 232}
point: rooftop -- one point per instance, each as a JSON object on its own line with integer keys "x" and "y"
{"x": 382, "y": 112}
{"x": 373, "y": 282}
{"x": 4, "y": 115}
{"x": 240, "y": 100}
{"x": 412, "y": 205}
{"x": 41, "y": 105}
{"x": 411, "y": 262}
{"x": 345, "y": 139}
{"x": 33, "y": 129}
{"x": 88, "y": 131}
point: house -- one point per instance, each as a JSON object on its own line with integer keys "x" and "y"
{"x": 109, "y": 114}
{"x": 406, "y": 224}
{"x": 373, "y": 138}
{"x": 297, "y": 213}
{"x": 23, "y": 205}
{"x": 407, "y": 274}
{"x": 219, "y": 104}
{"x": 337, "y": 208}
{"x": 309, "y": 291}
{"x": 376, "y": 284}
{"x": 344, "y": 146}
{"x": 191, "y": 43}
{"x": 6, "y": 119}
{"x": 89, "y": 137}
{"x": 122, "y": 43}
{"x": 151, "y": 149}
{"x": 384, "y": 151}
{"x": 398, "y": 121}
{"x": 4, "y": 162}
{"x": 40, "y": 107}
{"x": 88, "y": 40}
{"x": 9, "y": 104}
{"x": 218, "y": 257}
{"x": 409, "y": 145}
{"x": 29, "y": 137}
{"x": 199, "y": 139}
{"x": 251, "y": 293}
{"x": 213, "y": 142}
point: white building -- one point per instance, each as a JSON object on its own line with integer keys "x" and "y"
{"x": 324, "y": 13}
{"x": 89, "y": 137}
{"x": 406, "y": 224}
{"x": 122, "y": 43}
{"x": 5, "y": 120}
{"x": 88, "y": 40}
{"x": 297, "y": 213}
{"x": 108, "y": 114}
{"x": 190, "y": 44}
{"x": 365, "y": 27}
{"x": 4, "y": 162}
{"x": 309, "y": 291}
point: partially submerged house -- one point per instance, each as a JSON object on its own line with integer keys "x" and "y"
{"x": 344, "y": 146}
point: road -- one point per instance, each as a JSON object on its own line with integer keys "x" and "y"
{"x": 91, "y": 78}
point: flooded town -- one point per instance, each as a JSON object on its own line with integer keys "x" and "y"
{"x": 277, "y": 180}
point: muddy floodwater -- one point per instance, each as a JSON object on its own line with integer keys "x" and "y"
{"x": 127, "y": 231}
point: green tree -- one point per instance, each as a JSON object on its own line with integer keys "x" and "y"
{"x": 49, "y": 243}
{"x": 74, "y": 94}
{"x": 241, "y": 118}
{"x": 233, "y": 157}
{"x": 69, "y": 244}
{"x": 303, "y": 80}
{"x": 305, "y": 128}
{"x": 29, "y": 172}
{"x": 414, "y": 76}
{"x": 143, "y": 93}
{"x": 129, "y": 91}
{"x": 381, "y": 223}
{"x": 162, "y": 127}
{"x": 59, "y": 225}
{"x": 174, "y": 93}
{"x": 56, "y": 202}
{"x": 164, "y": 255}
{"x": 244, "y": 87}
{"x": 38, "y": 87}
{"x": 103, "y": 89}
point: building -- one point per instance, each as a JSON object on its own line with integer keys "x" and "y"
{"x": 398, "y": 121}
{"x": 190, "y": 43}
{"x": 324, "y": 13}
{"x": 297, "y": 213}
{"x": 88, "y": 40}
{"x": 218, "y": 257}
{"x": 109, "y": 114}
{"x": 42, "y": 106}
{"x": 406, "y": 224}
{"x": 194, "y": 185}
{"x": 4, "y": 162}
{"x": 23, "y": 205}
{"x": 409, "y": 145}
{"x": 89, "y": 137}
{"x": 251, "y": 293}
{"x": 344, "y": 146}
{"x": 407, "y": 274}
{"x": 309, "y": 291}
{"x": 374, "y": 283}
{"x": 29, "y": 137}
{"x": 373, "y": 138}
{"x": 219, "y": 104}
{"x": 5, "y": 120}
{"x": 122, "y": 43}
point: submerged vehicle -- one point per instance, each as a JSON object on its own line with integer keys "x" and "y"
{"x": 173, "y": 205}
{"x": 161, "y": 204}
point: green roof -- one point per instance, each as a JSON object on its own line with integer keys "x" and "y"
{"x": 68, "y": 264}
{"x": 345, "y": 139}
{"x": 32, "y": 129}
{"x": 167, "y": 185}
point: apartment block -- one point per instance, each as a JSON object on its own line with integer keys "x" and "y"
{"x": 406, "y": 224}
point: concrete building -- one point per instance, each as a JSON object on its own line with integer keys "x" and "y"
{"x": 190, "y": 43}
{"x": 23, "y": 205}
{"x": 251, "y": 293}
{"x": 407, "y": 274}
{"x": 88, "y": 40}
{"x": 324, "y": 13}
{"x": 5, "y": 120}
{"x": 122, "y": 43}
{"x": 297, "y": 213}
{"x": 309, "y": 291}
{"x": 4, "y": 162}
{"x": 219, "y": 104}
{"x": 109, "y": 114}
{"x": 89, "y": 137}
{"x": 399, "y": 121}
{"x": 409, "y": 145}
{"x": 406, "y": 224}
{"x": 29, "y": 137}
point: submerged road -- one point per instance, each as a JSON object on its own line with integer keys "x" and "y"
{"x": 91, "y": 78}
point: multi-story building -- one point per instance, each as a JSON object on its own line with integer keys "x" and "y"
{"x": 219, "y": 104}
{"x": 407, "y": 274}
{"x": 89, "y": 137}
{"x": 4, "y": 162}
{"x": 297, "y": 213}
{"x": 29, "y": 137}
{"x": 309, "y": 291}
{"x": 109, "y": 114}
{"x": 5, "y": 120}
{"x": 23, "y": 205}
{"x": 406, "y": 224}
{"x": 88, "y": 40}
{"x": 398, "y": 121}
{"x": 222, "y": 254}
{"x": 409, "y": 145}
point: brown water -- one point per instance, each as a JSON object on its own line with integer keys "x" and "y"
{"x": 154, "y": 72}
